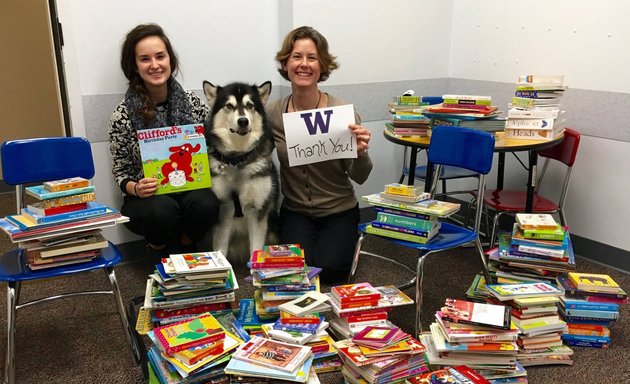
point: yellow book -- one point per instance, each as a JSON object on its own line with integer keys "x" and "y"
{"x": 200, "y": 330}
{"x": 594, "y": 282}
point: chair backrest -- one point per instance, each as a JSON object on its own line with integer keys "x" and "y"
{"x": 566, "y": 150}
{"x": 44, "y": 159}
{"x": 462, "y": 147}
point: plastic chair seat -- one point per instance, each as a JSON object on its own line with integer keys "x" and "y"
{"x": 447, "y": 172}
{"x": 449, "y": 236}
{"x": 13, "y": 266}
{"x": 514, "y": 201}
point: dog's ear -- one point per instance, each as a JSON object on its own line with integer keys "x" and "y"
{"x": 264, "y": 90}
{"x": 211, "y": 92}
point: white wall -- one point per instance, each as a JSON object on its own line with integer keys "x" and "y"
{"x": 379, "y": 43}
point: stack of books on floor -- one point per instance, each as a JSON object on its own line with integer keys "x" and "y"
{"x": 381, "y": 354}
{"x": 63, "y": 226}
{"x": 460, "y": 374}
{"x": 407, "y": 118}
{"x": 535, "y": 113}
{"x": 405, "y": 213}
{"x": 540, "y": 327}
{"x": 479, "y": 335}
{"x": 590, "y": 306}
{"x": 194, "y": 350}
{"x": 272, "y": 361}
{"x": 538, "y": 249}
{"x": 279, "y": 274}
{"x": 186, "y": 285}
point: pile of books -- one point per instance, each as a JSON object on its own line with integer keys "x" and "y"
{"x": 185, "y": 285}
{"x": 192, "y": 350}
{"x": 590, "y": 306}
{"x": 457, "y": 375}
{"x": 407, "y": 118}
{"x": 539, "y": 325}
{"x": 479, "y": 335}
{"x": 405, "y": 213}
{"x": 271, "y": 359}
{"x": 538, "y": 249}
{"x": 535, "y": 112}
{"x": 63, "y": 226}
{"x": 467, "y": 111}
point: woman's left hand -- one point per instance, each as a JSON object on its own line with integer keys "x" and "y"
{"x": 363, "y": 138}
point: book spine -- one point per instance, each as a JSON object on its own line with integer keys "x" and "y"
{"x": 415, "y": 232}
{"x": 48, "y": 211}
{"x": 63, "y": 216}
{"x": 164, "y": 313}
{"x": 604, "y": 315}
{"x": 529, "y": 123}
{"x": 466, "y": 102}
{"x": 391, "y": 211}
{"x": 541, "y": 251}
{"x": 406, "y": 222}
{"x": 437, "y": 121}
{"x": 575, "y": 343}
{"x": 540, "y": 79}
{"x": 267, "y": 265}
{"x": 467, "y": 97}
{"x": 395, "y": 235}
{"x": 369, "y": 298}
{"x": 590, "y": 306}
{"x": 528, "y": 234}
{"x": 532, "y": 114}
{"x": 56, "y": 186}
{"x": 482, "y": 107}
{"x": 590, "y": 339}
{"x": 402, "y": 189}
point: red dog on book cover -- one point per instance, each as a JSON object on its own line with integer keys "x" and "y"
{"x": 181, "y": 160}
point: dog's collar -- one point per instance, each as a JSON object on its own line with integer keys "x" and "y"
{"x": 233, "y": 160}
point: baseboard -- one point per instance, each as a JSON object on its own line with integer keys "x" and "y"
{"x": 582, "y": 247}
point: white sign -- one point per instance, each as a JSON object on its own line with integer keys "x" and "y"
{"x": 320, "y": 134}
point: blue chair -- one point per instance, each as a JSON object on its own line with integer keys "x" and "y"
{"x": 36, "y": 161}
{"x": 450, "y": 146}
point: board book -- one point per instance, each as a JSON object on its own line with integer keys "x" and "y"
{"x": 283, "y": 250}
{"x": 441, "y": 208}
{"x": 176, "y": 156}
{"x": 57, "y": 202}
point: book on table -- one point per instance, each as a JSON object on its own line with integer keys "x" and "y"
{"x": 176, "y": 156}
{"x": 273, "y": 354}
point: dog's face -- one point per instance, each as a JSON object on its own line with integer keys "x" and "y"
{"x": 237, "y": 115}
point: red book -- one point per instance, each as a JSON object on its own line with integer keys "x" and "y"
{"x": 366, "y": 317}
{"x": 259, "y": 261}
{"x": 198, "y": 309}
{"x": 41, "y": 210}
{"x": 363, "y": 293}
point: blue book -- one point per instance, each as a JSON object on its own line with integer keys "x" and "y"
{"x": 580, "y": 302}
{"x": 415, "y": 232}
{"x": 604, "y": 315}
{"x": 93, "y": 209}
{"x": 589, "y": 339}
{"x": 247, "y": 313}
{"x": 41, "y": 193}
{"x": 579, "y": 343}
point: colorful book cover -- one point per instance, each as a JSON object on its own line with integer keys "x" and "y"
{"x": 308, "y": 303}
{"x": 376, "y": 335}
{"x": 557, "y": 234}
{"x": 198, "y": 262}
{"x": 66, "y": 184}
{"x": 187, "y": 334}
{"x": 93, "y": 209}
{"x": 536, "y": 221}
{"x": 594, "y": 282}
{"x": 468, "y": 312}
{"x": 176, "y": 156}
{"x": 510, "y": 291}
{"x": 570, "y": 289}
{"x": 258, "y": 261}
{"x": 459, "y": 374}
{"x": 27, "y": 224}
{"x": 192, "y": 355}
{"x": 308, "y": 327}
{"x": 405, "y": 222}
{"x": 415, "y": 232}
{"x": 273, "y": 354}
{"x": 49, "y": 211}
{"x": 441, "y": 208}
{"x": 398, "y": 212}
{"x": 243, "y": 368}
{"x": 62, "y": 201}
{"x": 580, "y": 302}
{"x": 283, "y": 249}
{"x": 41, "y": 193}
{"x": 355, "y": 293}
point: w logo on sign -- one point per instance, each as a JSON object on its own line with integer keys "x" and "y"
{"x": 318, "y": 121}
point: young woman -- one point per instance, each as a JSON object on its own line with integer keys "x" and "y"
{"x": 171, "y": 222}
{"x": 319, "y": 209}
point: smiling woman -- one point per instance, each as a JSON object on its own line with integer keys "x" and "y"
{"x": 171, "y": 223}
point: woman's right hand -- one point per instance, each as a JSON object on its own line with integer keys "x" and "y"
{"x": 146, "y": 187}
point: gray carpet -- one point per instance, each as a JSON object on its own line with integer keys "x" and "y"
{"x": 79, "y": 340}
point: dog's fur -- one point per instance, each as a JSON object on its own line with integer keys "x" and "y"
{"x": 244, "y": 177}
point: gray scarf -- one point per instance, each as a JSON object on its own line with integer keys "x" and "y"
{"x": 177, "y": 112}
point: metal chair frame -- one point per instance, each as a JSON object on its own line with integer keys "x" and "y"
{"x": 461, "y": 147}
{"x": 35, "y": 161}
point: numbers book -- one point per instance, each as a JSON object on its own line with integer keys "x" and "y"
{"x": 273, "y": 354}
{"x": 536, "y": 221}
{"x": 354, "y": 293}
{"x": 41, "y": 193}
{"x": 187, "y": 334}
{"x": 198, "y": 262}
{"x": 468, "y": 312}
{"x": 594, "y": 282}
{"x": 176, "y": 156}
{"x": 511, "y": 291}
{"x": 66, "y": 184}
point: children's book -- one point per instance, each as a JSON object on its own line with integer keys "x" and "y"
{"x": 92, "y": 242}
{"x": 511, "y": 291}
{"x": 43, "y": 211}
{"x": 66, "y": 184}
{"x": 310, "y": 302}
{"x": 354, "y": 293}
{"x": 570, "y": 289}
{"x": 460, "y": 374}
{"x": 468, "y": 312}
{"x": 441, "y": 208}
{"x": 190, "y": 333}
{"x": 243, "y": 368}
{"x": 200, "y": 262}
{"x": 58, "y": 202}
{"x": 594, "y": 282}
{"x": 192, "y": 355}
{"x": 536, "y": 221}
{"x": 41, "y": 193}
{"x": 273, "y": 354}
{"x": 376, "y": 336}
{"x": 93, "y": 209}
{"x": 176, "y": 156}
{"x": 283, "y": 249}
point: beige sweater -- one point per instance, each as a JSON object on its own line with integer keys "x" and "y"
{"x": 318, "y": 189}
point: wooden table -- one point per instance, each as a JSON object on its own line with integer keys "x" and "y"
{"x": 502, "y": 145}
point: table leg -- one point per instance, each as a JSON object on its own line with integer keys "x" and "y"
{"x": 531, "y": 183}
{"x": 412, "y": 166}
{"x": 500, "y": 170}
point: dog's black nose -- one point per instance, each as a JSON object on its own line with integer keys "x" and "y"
{"x": 243, "y": 122}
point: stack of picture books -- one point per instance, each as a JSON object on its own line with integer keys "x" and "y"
{"x": 407, "y": 118}
{"x": 272, "y": 359}
{"x": 590, "y": 306}
{"x": 457, "y": 375}
{"x": 352, "y": 317}
{"x": 193, "y": 350}
{"x": 404, "y": 213}
{"x": 538, "y": 249}
{"x": 63, "y": 226}
{"x": 535, "y": 113}
{"x": 185, "y": 285}
{"x": 458, "y": 110}
{"x": 479, "y": 335}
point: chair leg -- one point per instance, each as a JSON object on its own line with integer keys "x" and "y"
{"x": 13, "y": 289}
{"x": 355, "y": 259}
{"x": 495, "y": 226}
{"x": 471, "y": 206}
{"x": 124, "y": 318}
{"x": 563, "y": 220}
{"x": 484, "y": 264}
{"x": 419, "y": 277}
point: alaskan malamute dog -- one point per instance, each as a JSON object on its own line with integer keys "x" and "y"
{"x": 244, "y": 177}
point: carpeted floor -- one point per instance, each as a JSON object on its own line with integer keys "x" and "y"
{"x": 79, "y": 340}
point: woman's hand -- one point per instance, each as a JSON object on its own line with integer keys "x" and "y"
{"x": 145, "y": 187}
{"x": 363, "y": 138}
